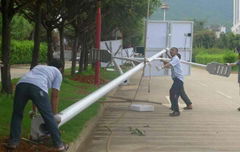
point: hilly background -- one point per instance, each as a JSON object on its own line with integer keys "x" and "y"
{"x": 213, "y": 12}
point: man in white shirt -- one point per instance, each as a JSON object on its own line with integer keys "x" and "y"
{"x": 34, "y": 86}
{"x": 177, "y": 88}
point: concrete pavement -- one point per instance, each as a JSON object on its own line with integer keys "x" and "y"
{"x": 212, "y": 126}
{"x": 19, "y": 70}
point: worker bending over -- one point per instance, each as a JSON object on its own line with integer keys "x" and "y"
{"x": 34, "y": 86}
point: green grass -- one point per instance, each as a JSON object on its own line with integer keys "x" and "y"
{"x": 71, "y": 91}
{"x": 204, "y": 56}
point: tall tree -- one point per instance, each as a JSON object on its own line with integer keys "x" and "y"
{"x": 80, "y": 12}
{"x": 33, "y": 13}
{"x": 65, "y": 19}
{"x": 37, "y": 19}
{"x": 51, "y": 16}
{"x": 56, "y": 16}
{"x": 204, "y": 39}
{"x": 8, "y": 8}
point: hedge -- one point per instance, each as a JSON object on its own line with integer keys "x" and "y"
{"x": 230, "y": 57}
{"x": 197, "y": 51}
{"x": 21, "y": 52}
{"x": 205, "y": 58}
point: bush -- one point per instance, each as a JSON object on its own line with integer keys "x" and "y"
{"x": 205, "y": 58}
{"x": 229, "y": 57}
{"x": 197, "y": 51}
{"x": 213, "y": 54}
{"x": 21, "y": 52}
{"x": 21, "y": 29}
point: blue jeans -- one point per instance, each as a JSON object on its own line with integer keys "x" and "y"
{"x": 177, "y": 90}
{"x": 23, "y": 93}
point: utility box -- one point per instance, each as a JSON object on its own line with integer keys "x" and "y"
{"x": 167, "y": 34}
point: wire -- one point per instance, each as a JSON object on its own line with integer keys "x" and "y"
{"x": 139, "y": 83}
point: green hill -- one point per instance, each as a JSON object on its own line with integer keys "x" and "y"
{"x": 214, "y": 12}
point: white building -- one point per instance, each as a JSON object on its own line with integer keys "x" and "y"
{"x": 221, "y": 30}
{"x": 236, "y": 17}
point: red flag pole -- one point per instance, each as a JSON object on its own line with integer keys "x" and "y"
{"x": 97, "y": 42}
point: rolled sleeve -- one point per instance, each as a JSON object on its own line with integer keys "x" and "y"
{"x": 174, "y": 61}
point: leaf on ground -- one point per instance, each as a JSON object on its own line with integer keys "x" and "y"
{"x": 136, "y": 131}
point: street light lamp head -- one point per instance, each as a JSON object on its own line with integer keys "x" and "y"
{"x": 164, "y": 6}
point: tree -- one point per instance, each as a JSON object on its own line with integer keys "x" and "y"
{"x": 82, "y": 17}
{"x": 56, "y": 16}
{"x": 228, "y": 40}
{"x": 8, "y": 8}
{"x": 65, "y": 19}
{"x": 199, "y": 25}
{"x": 33, "y": 13}
{"x": 127, "y": 16}
{"x": 50, "y": 16}
{"x": 204, "y": 39}
{"x": 20, "y": 28}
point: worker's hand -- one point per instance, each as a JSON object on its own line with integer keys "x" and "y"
{"x": 57, "y": 117}
{"x": 147, "y": 60}
{"x": 32, "y": 114}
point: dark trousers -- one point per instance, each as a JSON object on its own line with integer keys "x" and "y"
{"x": 177, "y": 90}
{"x": 23, "y": 93}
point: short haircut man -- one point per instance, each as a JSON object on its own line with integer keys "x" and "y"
{"x": 34, "y": 86}
{"x": 177, "y": 88}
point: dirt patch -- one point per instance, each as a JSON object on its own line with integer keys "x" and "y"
{"x": 25, "y": 146}
{"x": 87, "y": 79}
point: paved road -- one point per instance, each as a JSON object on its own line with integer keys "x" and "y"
{"x": 212, "y": 126}
{"x": 19, "y": 70}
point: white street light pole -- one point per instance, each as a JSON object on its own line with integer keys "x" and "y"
{"x": 146, "y": 27}
{"x": 164, "y": 7}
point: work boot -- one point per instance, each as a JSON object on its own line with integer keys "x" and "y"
{"x": 174, "y": 114}
{"x": 188, "y": 107}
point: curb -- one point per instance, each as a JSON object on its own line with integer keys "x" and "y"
{"x": 80, "y": 143}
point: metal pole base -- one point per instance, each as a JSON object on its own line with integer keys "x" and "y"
{"x": 38, "y": 127}
{"x": 36, "y": 130}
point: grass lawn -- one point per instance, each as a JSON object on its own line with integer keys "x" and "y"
{"x": 71, "y": 91}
